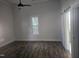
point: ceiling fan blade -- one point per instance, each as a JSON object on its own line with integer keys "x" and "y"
{"x": 26, "y": 5}
{"x": 22, "y": 5}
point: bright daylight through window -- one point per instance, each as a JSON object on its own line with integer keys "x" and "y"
{"x": 35, "y": 25}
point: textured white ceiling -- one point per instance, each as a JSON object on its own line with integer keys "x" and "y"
{"x": 27, "y": 1}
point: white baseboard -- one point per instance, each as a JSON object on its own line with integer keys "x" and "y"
{"x": 38, "y": 40}
{"x": 3, "y": 44}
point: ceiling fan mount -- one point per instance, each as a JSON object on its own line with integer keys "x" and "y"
{"x": 23, "y": 5}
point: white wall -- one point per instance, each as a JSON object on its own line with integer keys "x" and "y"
{"x": 67, "y": 3}
{"x": 6, "y": 24}
{"x": 74, "y": 38}
{"x": 49, "y": 22}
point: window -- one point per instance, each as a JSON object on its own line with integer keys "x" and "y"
{"x": 35, "y": 25}
{"x": 68, "y": 29}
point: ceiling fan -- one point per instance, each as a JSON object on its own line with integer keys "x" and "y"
{"x": 23, "y": 5}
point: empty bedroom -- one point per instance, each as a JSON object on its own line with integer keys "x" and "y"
{"x": 33, "y": 29}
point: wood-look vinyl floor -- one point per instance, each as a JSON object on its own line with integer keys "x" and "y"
{"x": 21, "y": 49}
